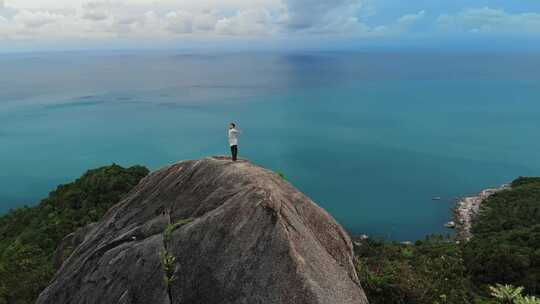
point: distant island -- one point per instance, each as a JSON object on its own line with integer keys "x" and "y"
{"x": 37, "y": 242}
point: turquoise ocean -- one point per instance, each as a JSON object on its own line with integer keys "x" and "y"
{"x": 371, "y": 136}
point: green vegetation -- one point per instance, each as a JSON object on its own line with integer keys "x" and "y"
{"x": 505, "y": 249}
{"x": 29, "y": 236}
{"x": 172, "y": 227}
{"x": 527, "y": 300}
{"x": 167, "y": 263}
{"x": 167, "y": 260}
{"x": 508, "y": 294}
{"x": 506, "y": 243}
{"x": 430, "y": 271}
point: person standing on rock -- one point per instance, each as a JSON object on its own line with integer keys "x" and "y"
{"x": 233, "y": 140}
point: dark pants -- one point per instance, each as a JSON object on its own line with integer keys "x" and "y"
{"x": 234, "y": 152}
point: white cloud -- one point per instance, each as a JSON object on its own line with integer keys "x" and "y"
{"x": 488, "y": 20}
{"x": 36, "y": 19}
{"x": 410, "y": 19}
{"x": 180, "y": 22}
{"x": 161, "y": 18}
{"x": 398, "y": 27}
{"x": 206, "y": 19}
{"x": 205, "y": 22}
{"x": 316, "y": 15}
{"x": 3, "y": 26}
{"x": 95, "y": 11}
{"x": 247, "y": 22}
{"x": 46, "y": 19}
{"x": 95, "y": 15}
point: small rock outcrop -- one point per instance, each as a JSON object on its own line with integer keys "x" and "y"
{"x": 210, "y": 231}
{"x": 467, "y": 209}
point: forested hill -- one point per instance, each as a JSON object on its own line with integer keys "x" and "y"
{"x": 29, "y": 236}
{"x": 504, "y": 249}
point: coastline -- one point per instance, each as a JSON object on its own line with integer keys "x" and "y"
{"x": 466, "y": 210}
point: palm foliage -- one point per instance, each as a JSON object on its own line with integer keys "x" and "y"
{"x": 527, "y": 300}
{"x": 507, "y": 294}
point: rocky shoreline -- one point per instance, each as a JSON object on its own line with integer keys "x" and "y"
{"x": 466, "y": 210}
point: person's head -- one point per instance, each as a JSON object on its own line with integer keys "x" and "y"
{"x": 232, "y": 125}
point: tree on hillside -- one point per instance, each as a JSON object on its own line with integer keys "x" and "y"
{"x": 29, "y": 236}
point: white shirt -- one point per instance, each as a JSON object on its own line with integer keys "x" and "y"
{"x": 233, "y": 137}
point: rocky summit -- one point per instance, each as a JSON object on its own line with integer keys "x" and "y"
{"x": 209, "y": 231}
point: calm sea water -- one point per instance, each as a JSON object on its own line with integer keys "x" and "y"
{"x": 370, "y": 136}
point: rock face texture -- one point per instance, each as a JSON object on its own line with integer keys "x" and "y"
{"x": 253, "y": 238}
{"x": 70, "y": 242}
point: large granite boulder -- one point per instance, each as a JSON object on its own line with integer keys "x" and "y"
{"x": 228, "y": 232}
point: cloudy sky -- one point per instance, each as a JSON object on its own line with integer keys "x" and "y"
{"x": 74, "y": 24}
